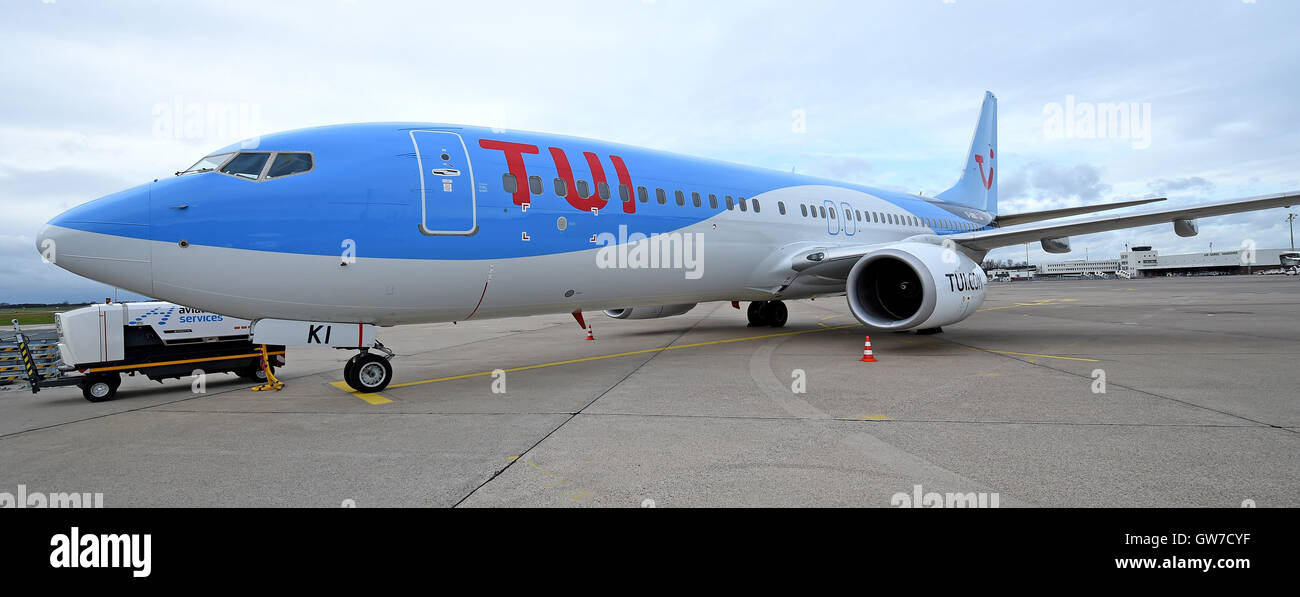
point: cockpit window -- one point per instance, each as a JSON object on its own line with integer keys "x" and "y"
{"x": 207, "y": 164}
{"x": 289, "y": 163}
{"x": 249, "y": 165}
{"x": 246, "y": 165}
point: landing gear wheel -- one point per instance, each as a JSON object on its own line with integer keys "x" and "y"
{"x": 775, "y": 314}
{"x": 771, "y": 313}
{"x": 368, "y": 373}
{"x": 350, "y": 372}
{"x": 100, "y": 388}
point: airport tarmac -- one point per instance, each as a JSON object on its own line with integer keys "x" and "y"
{"x": 1201, "y": 408}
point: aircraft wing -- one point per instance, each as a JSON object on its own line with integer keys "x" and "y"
{"x": 835, "y": 262}
{"x": 985, "y": 240}
{"x": 1004, "y": 220}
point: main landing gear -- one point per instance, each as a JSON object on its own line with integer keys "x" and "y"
{"x": 771, "y": 313}
{"x": 368, "y": 372}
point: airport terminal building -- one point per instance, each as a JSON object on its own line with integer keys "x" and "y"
{"x": 1144, "y": 261}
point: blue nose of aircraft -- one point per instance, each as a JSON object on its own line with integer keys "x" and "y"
{"x": 106, "y": 240}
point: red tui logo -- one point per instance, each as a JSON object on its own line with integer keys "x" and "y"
{"x": 514, "y": 154}
{"x": 979, "y": 161}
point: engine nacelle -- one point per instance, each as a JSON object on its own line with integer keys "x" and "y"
{"x": 914, "y": 285}
{"x": 650, "y": 312}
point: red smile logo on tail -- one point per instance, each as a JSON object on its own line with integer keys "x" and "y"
{"x": 979, "y": 161}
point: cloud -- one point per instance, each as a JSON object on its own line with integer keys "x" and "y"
{"x": 24, "y": 185}
{"x": 1040, "y": 185}
{"x": 1165, "y": 186}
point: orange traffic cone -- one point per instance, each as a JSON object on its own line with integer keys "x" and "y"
{"x": 866, "y": 352}
{"x": 589, "y": 336}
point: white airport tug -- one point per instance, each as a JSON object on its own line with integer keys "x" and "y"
{"x": 155, "y": 339}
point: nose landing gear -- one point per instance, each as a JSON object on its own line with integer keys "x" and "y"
{"x": 368, "y": 372}
{"x": 771, "y": 313}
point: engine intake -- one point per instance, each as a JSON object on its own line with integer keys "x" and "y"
{"x": 914, "y": 285}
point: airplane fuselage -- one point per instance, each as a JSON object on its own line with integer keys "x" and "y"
{"x": 409, "y": 223}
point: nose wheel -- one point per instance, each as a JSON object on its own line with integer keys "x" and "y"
{"x": 368, "y": 372}
{"x": 767, "y": 313}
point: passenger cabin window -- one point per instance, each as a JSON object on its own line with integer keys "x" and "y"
{"x": 832, "y": 210}
{"x": 695, "y": 199}
{"x": 731, "y": 204}
{"x": 602, "y": 189}
{"x": 661, "y": 197}
{"x": 642, "y": 195}
{"x": 583, "y": 191}
{"x": 561, "y": 188}
{"x": 741, "y": 200}
{"x": 803, "y": 210}
{"x": 535, "y": 185}
{"x": 624, "y": 193}
{"x": 713, "y": 201}
{"x": 246, "y": 165}
{"x": 681, "y": 198}
{"x": 757, "y": 208}
{"x": 509, "y": 183}
{"x": 822, "y": 210}
{"x": 287, "y": 164}
{"x": 780, "y": 206}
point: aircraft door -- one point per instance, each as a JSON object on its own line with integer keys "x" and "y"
{"x": 832, "y": 223}
{"x": 850, "y": 225}
{"x": 448, "y": 203}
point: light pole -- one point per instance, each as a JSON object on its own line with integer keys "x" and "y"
{"x": 1290, "y": 220}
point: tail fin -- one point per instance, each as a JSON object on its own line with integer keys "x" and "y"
{"x": 978, "y": 185}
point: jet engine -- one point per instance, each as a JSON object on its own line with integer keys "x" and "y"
{"x": 650, "y": 312}
{"x": 914, "y": 285}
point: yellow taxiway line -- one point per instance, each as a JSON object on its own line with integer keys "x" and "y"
{"x": 1038, "y": 303}
{"x": 619, "y": 354}
{"x": 380, "y": 399}
{"x": 368, "y": 397}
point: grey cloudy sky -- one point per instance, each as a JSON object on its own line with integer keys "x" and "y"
{"x": 889, "y": 91}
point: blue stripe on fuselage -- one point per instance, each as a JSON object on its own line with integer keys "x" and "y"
{"x": 365, "y": 189}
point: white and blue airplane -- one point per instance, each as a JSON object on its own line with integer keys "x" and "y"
{"x": 321, "y": 234}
